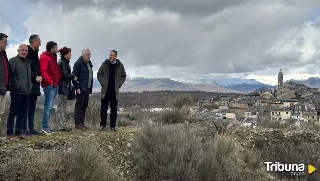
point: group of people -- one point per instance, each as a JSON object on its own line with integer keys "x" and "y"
{"x": 23, "y": 75}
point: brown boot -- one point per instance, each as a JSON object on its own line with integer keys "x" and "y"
{"x": 13, "y": 138}
{"x": 22, "y": 137}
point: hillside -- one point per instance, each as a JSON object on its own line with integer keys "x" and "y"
{"x": 237, "y": 84}
{"x": 245, "y": 87}
{"x": 134, "y": 153}
{"x": 312, "y": 82}
{"x": 158, "y": 84}
{"x": 293, "y": 90}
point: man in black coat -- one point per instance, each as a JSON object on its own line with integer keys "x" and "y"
{"x": 82, "y": 69}
{"x": 36, "y": 78}
{"x": 111, "y": 76}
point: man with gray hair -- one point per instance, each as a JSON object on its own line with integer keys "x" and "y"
{"x": 36, "y": 79}
{"x": 20, "y": 92}
{"x": 82, "y": 69}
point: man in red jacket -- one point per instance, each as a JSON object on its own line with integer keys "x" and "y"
{"x": 4, "y": 73}
{"x": 51, "y": 75}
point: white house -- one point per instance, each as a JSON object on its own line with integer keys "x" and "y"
{"x": 247, "y": 122}
{"x": 251, "y": 113}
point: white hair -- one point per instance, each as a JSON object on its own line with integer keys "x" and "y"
{"x": 84, "y": 51}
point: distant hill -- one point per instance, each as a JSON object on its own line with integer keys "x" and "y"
{"x": 245, "y": 87}
{"x": 312, "y": 82}
{"x": 236, "y": 84}
{"x": 157, "y": 84}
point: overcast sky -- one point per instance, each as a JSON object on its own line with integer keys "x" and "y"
{"x": 178, "y": 38}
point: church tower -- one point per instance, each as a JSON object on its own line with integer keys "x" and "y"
{"x": 280, "y": 79}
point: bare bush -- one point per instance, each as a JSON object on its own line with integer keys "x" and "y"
{"x": 309, "y": 126}
{"x": 277, "y": 124}
{"x": 172, "y": 117}
{"x": 183, "y": 100}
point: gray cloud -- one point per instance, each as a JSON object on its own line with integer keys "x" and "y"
{"x": 193, "y": 37}
{"x": 185, "y": 7}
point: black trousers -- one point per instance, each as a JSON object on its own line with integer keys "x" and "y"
{"x": 81, "y": 106}
{"x": 18, "y": 109}
{"x": 31, "y": 111}
{"x": 109, "y": 98}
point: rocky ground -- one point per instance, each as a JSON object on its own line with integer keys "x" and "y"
{"x": 114, "y": 145}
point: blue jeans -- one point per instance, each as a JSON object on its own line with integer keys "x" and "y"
{"x": 50, "y": 94}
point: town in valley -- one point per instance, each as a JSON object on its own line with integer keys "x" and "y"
{"x": 288, "y": 102}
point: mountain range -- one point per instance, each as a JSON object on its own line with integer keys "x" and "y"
{"x": 237, "y": 84}
{"x": 140, "y": 84}
{"x": 312, "y": 82}
{"x": 226, "y": 85}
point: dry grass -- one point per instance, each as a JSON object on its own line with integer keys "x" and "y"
{"x": 83, "y": 163}
{"x": 277, "y": 124}
{"x": 295, "y": 149}
{"x": 165, "y": 150}
{"x": 177, "y": 153}
{"x": 171, "y": 117}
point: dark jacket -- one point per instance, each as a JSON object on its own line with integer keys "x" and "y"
{"x": 80, "y": 70}
{"x": 67, "y": 77}
{"x": 35, "y": 70}
{"x": 21, "y": 73}
{"x": 3, "y": 88}
{"x": 103, "y": 77}
{"x": 49, "y": 69}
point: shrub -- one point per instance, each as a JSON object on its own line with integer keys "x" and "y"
{"x": 183, "y": 100}
{"x": 30, "y": 166}
{"x": 309, "y": 126}
{"x": 277, "y": 124}
{"x": 83, "y": 163}
{"x": 166, "y": 153}
{"x": 177, "y": 153}
{"x": 172, "y": 117}
{"x": 294, "y": 148}
{"x": 93, "y": 113}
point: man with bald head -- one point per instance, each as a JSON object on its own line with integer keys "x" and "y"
{"x": 82, "y": 69}
{"x": 20, "y": 92}
{"x": 111, "y": 76}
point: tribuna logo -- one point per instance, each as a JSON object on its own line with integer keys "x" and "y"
{"x": 280, "y": 167}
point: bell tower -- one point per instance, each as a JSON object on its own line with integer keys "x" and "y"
{"x": 280, "y": 79}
